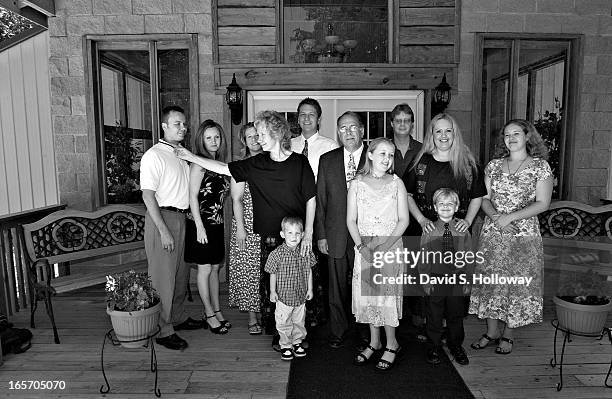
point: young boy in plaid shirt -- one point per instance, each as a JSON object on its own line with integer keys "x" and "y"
{"x": 290, "y": 287}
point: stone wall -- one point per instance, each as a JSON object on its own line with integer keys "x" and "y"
{"x": 590, "y": 148}
{"x": 75, "y": 18}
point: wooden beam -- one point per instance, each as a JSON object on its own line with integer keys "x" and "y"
{"x": 46, "y": 7}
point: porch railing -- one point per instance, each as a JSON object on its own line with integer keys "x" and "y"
{"x": 13, "y": 271}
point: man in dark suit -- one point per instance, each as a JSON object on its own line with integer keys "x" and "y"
{"x": 336, "y": 169}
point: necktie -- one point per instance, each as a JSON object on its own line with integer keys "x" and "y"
{"x": 305, "y": 150}
{"x": 351, "y": 168}
{"x": 447, "y": 239}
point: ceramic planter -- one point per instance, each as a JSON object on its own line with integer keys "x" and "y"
{"x": 134, "y": 326}
{"x": 582, "y": 319}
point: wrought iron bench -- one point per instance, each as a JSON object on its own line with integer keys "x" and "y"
{"x": 71, "y": 235}
{"x": 576, "y": 236}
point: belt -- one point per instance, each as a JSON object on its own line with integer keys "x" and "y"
{"x": 173, "y": 209}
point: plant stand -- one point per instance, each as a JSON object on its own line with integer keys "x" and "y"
{"x": 110, "y": 335}
{"x": 567, "y": 338}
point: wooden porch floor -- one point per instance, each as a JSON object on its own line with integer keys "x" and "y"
{"x": 241, "y": 366}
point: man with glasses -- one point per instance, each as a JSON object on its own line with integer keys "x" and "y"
{"x": 336, "y": 169}
{"x": 406, "y": 147}
{"x": 311, "y": 143}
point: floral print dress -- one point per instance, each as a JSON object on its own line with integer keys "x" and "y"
{"x": 507, "y": 254}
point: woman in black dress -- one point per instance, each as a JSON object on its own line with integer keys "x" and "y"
{"x": 281, "y": 183}
{"x": 204, "y": 237}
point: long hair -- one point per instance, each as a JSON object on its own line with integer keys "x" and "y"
{"x": 461, "y": 159}
{"x": 536, "y": 147}
{"x": 277, "y": 126}
{"x": 245, "y": 152}
{"x": 200, "y": 148}
{"x": 367, "y": 165}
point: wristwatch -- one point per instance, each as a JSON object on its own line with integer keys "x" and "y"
{"x": 361, "y": 245}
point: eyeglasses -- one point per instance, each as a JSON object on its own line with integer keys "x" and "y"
{"x": 402, "y": 121}
{"x": 352, "y": 129}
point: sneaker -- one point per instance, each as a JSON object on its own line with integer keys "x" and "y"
{"x": 286, "y": 354}
{"x": 433, "y": 356}
{"x": 298, "y": 350}
{"x": 459, "y": 354}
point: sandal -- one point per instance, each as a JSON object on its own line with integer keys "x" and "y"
{"x": 221, "y": 329}
{"x": 224, "y": 323}
{"x": 361, "y": 359}
{"x": 501, "y": 351}
{"x": 385, "y": 365}
{"x": 477, "y": 345}
{"x": 255, "y": 329}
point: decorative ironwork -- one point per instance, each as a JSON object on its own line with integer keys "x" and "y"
{"x": 69, "y": 235}
{"x": 573, "y": 223}
{"x": 564, "y": 223}
{"x": 122, "y": 227}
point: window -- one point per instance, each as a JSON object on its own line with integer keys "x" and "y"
{"x": 131, "y": 82}
{"x": 317, "y": 31}
{"x": 526, "y": 78}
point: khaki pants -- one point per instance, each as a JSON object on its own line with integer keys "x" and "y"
{"x": 168, "y": 271}
{"x": 290, "y": 324}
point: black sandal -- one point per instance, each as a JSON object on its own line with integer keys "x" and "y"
{"x": 500, "y": 351}
{"x": 476, "y": 345}
{"x": 221, "y": 329}
{"x": 361, "y": 359}
{"x": 224, "y": 323}
{"x": 385, "y": 365}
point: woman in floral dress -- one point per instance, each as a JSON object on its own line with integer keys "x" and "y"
{"x": 377, "y": 215}
{"x": 204, "y": 236}
{"x": 519, "y": 186}
{"x": 244, "y": 270}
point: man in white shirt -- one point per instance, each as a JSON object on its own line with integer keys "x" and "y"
{"x": 164, "y": 181}
{"x": 311, "y": 143}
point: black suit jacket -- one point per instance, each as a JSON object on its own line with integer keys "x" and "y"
{"x": 330, "y": 217}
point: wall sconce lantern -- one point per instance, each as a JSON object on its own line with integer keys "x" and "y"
{"x": 441, "y": 97}
{"x": 233, "y": 98}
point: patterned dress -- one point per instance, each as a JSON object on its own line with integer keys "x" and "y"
{"x": 244, "y": 268}
{"x": 377, "y": 216}
{"x": 506, "y": 254}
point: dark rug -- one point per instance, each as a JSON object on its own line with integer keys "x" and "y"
{"x": 330, "y": 373}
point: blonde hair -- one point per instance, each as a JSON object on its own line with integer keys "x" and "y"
{"x": 277, "y": 126}
{"x": 445, "y": 192}
{"x": 367, "y": 166}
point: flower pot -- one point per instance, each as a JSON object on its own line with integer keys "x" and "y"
{"x": 134, "y": 326}
{"x": 582, "y": 319}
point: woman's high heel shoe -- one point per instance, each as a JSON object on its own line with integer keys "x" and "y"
{"x": 224, "y": 323}
{"x": 221, "y": 329}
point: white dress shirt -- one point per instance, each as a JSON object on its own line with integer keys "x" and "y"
{"x": 317, "y": 146}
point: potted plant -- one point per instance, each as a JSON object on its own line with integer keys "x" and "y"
{"x": 133, "y": 306}
{"x": 582, "y": 303}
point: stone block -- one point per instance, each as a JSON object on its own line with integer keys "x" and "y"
{"x": 588, "y": 101}
{"x": 473, "y": 22}
{"x": 79, "y": 107}
{"x": 583, "y": 158}
{"x": 77, "y": 200}
{"x": 589, "y": 66}
{"x": 555, "y": 6}
{"x": 518, "y": 6}
{"x": 57, "y": 26}
{"x": 205, "y": 45}
{"x": 580, "y": 194}
{"x": 65, "y": 46}
{"x": 124, "y": 24}
{"x": 60, "y": 105}
{"x": 602, "y": 139}
{"x": 461, "y": 101}
{"x": 75, "y": 66}
{"x": 164, "y": 24}
{"x": 598, "y": 45}
{"x": 596, "y": 83}
{"x": 591, "y": 177}
{"x": 481, "y": 5}
{"x": 81, "y": 25}
{"x": 207, "y": 82}
{"x": 83, "y": 182}
{"x": 190, "y": 6}
{"x": 505, "y": 22}
{"x": 74, "y": 7}
{"x": 151, "y": 7}
{"x": 465, "y": 79}
{"x": 67, "y": 182}
{"x": 76, "y": 124}
{"x": 605, "y": 25}
{"x": 67, "y": 86}
{"x": 467, "y": 44}
{"x": 596, "y": 194}
{"x": 586, "y": 7}
{"x": 604, "y": 65}
{"x": 600, "y": 158}
{"x": 64, "y": 144}
{"x": 588, "y": 25}
{"x": 542, "y": 23}
{"x": 81, "y": 144}
{"x": 604, "y": 103}
{"x": 63, "y": 162}
{"x": 211, "y": 103}
{"x": 112, "y": 7}
{"x": 585, "y": 137}
{"x": 58, "y": 66}
{"x": 198, "y": 23}
{"x": 81, "y": 163}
